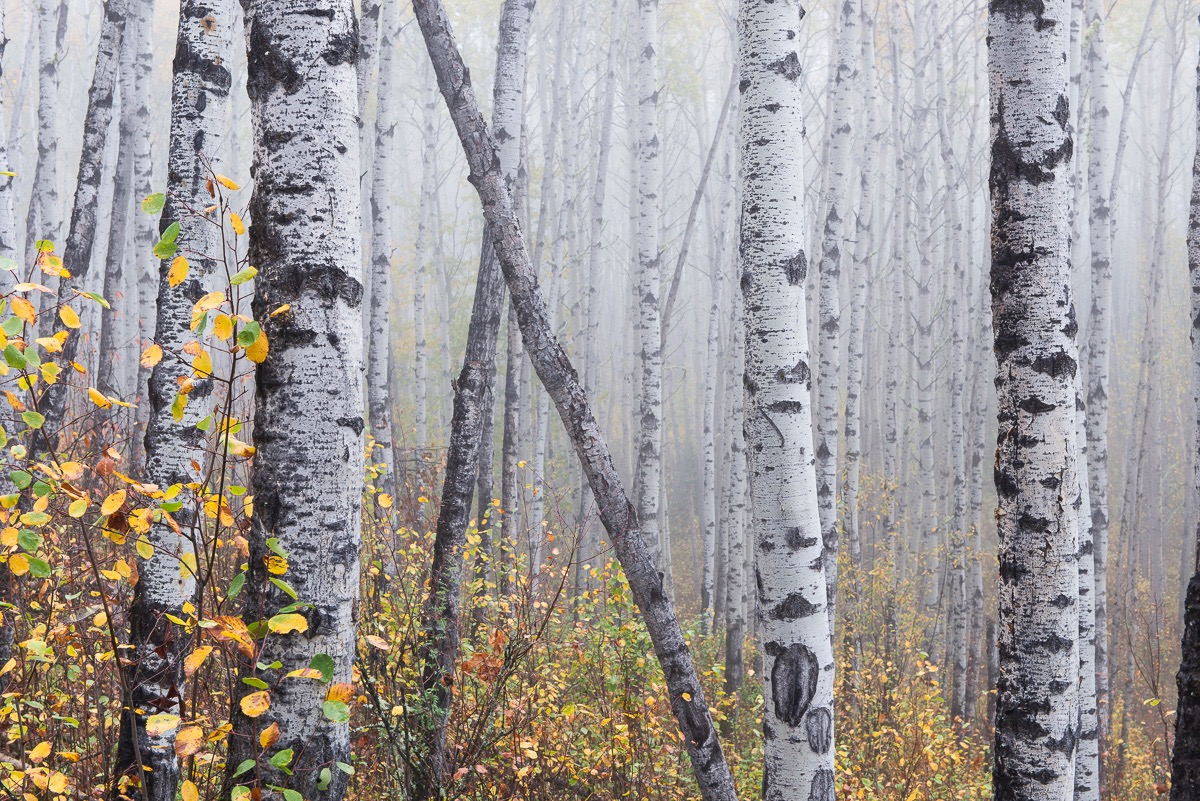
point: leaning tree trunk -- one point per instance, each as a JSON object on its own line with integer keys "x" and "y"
{"x": 1037, "y": 708}
{"x": 559, "y": 378}
{"x": 837, "y": 211}
{"x": 307, "y": 475}
{"x": 175, "y": 452}
{"x": 1185, "y": 760}
{"x": 77, "y": 254}
{"x": 647, "y": 479}
{"x": 379, "y": 397}
{"x": 473, "y": 406}
{"x": 793, "y": 626}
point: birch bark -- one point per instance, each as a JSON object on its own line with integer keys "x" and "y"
{"x": 789, "y": 572}
{"x": 1037, "y": 707}
{"x": 307, "y": 475}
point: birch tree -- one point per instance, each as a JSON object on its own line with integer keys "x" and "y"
{"x": 789, "y": 570}
{"x": 1037, "y": 709}
{"x": 307, "y": 476}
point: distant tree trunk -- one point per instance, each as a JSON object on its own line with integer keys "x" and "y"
{"x": 790, "y": 577}
{"x": 113, "y": 329}
{"x": 561, "y": 381}
{"x": 199, "y": 120}
{"x": 81, "y": 238}
{"x": 379, "y": 398}
{"x": 649, "y": 163}
{"x": 1037, "y": 707}
{"x": 473, "y": 406}
{"x": 510, "y": 487}
{"x": 145, "y": 290}
{"x": 43, "y": 220}
{"x": 735, "y": 514}
{"x": 710, "y": 564}
{"x": 425, "y": 249}
{"x": 306, "y": 239}
{"x": 840, "y": 140}
{"x": 863, "y": 227}
{"x": 1185, "y": 759}
{"x": 8, "y": 220}
{"x": 591, "y": 366}
{"x": 1087, "y": 752}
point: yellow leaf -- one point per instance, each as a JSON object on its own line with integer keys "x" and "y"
{"x": 342, "y": 691}
{"x": 178, "y": 271}
{"x": 144, "y": 548}
{"x": 285, "y": 624}
{"x": 202, "y": 364}
{"x": 51, "y": 344}
{"x": 187, "y": 565}
{"x": 151, "y": 356}
{"x": 78, "y": 508}
{"x": 99, "y": 398}
{"x": 277, "y": 565}
{"x": 269, "y": 736}
{"x": 18, "y": 564}
{"x": 8, "y": 537}
{"x": 385, "y": 500}
{"x": 207, "y": 303}
{"x": 189, "y": 791}
{"x": 257, "y": 352}
{"x": 239, "y": 227}
{"x": 113, "y": 502}
{"x": 162, "y": 723}
{"x": 378, "y": 642}
{"x": 306, "y": 673}
{"x": 24, "y": 309}
{"x": 189, "y": 740}
{"x": 284, "y": 309}
{"x": 222, "y": 327}
{"x": 255, "y": 704}
{"x": 57, "y": 783}
{"x": 195, "y": 659}
{"x": 227, "y": 183}
{"x": 39, "y": 752}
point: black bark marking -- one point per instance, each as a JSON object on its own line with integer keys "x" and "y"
{"x": 796, "y": 269}
{"x": 819, "y": 727}
{"x": 822, "y": 786}
{"x": 794, "y": 607}
{"x": 793, "y": 683}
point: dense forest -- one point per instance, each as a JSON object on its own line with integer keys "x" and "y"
{"x": 641, "y": 399}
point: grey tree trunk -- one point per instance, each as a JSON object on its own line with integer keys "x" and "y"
{"x": 81, "y": 236}
{"x": 1037, "y": 707}
{"x": 839, "y": 142}
{"x": 44, "y": 220}
{"x": 199, "y": 120}
{"x": 309, "y": 409}
{"x": 561, "y": 381}
{"x": 789, "y": 571}
{"x": 8, "y": 220}
{"x": 736, "y": 534}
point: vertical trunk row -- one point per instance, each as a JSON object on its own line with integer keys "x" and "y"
{"x": 199, "y": 119}
{"x": 306, "y": 241}
{"x": 1037, "y": 709}
{"x": 789, "y": 572}
{"x": 647, "y": 480}
{"x": 840, "y": 140}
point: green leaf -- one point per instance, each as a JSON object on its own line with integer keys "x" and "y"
{"x": 177, "y": 407}
{"x": 205, "y": 424}
{"x": 41, "y": 488}
{"x": 29, "y": 539}
{"x": 324, "y": 779}
{"x": 282, "y": 758}
{"x": 33, "y": 419}
{"x": 239, "y": 793}
{"x": 273, "y": 544}
{"x": 98, "y": 298}
{"x": 12, "y": 326}
{"x": 323, "y": 663}
{"x": 292, "y": 795}
{"x": 44, "y": 246}
{"x": 336, "y": 711}
{"x": 153, "y": 204}
{"x": 172, "y": 506}
{"x": 8, "y": 264}
{"x": 21, "y": 478}
{"x": 14, "y": 357}
{"x": 249, "y": 334}
{"x": 283, "y": 585}
{"x": 171, "y": 234}
{"x": 243, "y": 275}
{"x": 165, "y": 250}
{"x": 235, "y": 586}
{"x": 38, "y": 568}
{"x": 256, "y": 683}
{"x": 345, "y": 767}
{"x": 243, "y": 766}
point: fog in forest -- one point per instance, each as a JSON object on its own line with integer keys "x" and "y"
{"x": 629, "y": 399}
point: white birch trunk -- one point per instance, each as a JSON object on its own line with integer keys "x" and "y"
{"x": 307, "y": 475}
{"x": 789, "y": 573}
{"x": 1087, "y": 753}
{"x": 1037, "y": 706}
{"x": 425, "y": 248}
{"x": 8, "y": 220}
